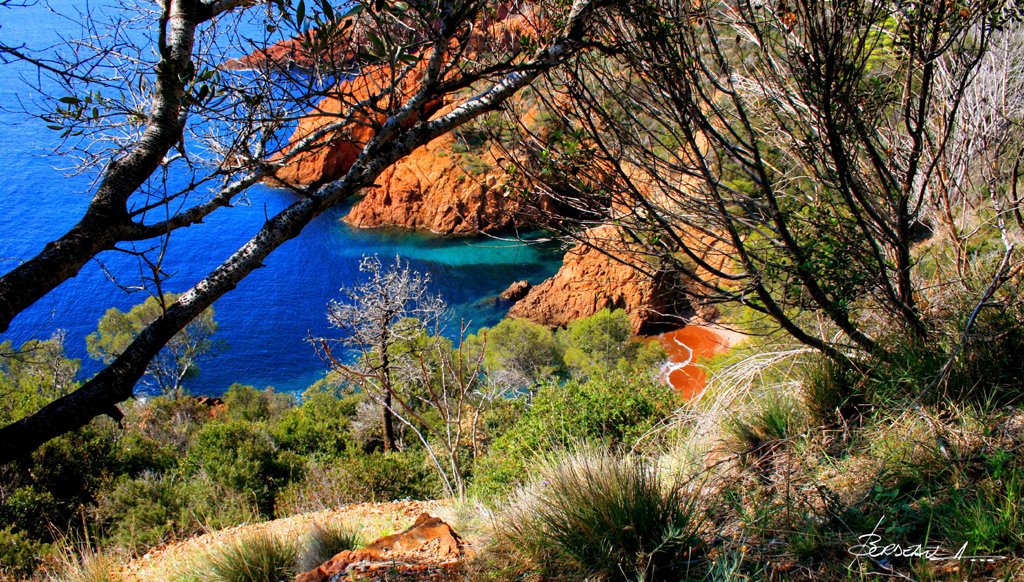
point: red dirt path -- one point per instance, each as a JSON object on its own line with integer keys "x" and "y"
{"x": 689, "y": 346}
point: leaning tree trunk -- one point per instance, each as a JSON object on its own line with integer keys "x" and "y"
{"x": 387, "y": 417}
{"x": 103, "y": 392}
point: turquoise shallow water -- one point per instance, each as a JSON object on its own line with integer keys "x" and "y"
{"x": 265, "y": 321}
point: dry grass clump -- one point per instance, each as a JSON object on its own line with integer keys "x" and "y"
{"x": 82, "y": 563}
{"x": 257, "y": 557}
{"x": 324, "y": 541}
{"x": 604, "y": 516}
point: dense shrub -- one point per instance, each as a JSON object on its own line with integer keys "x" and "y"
{"x": 604, "y": 341}
{"x": 19, "y": 554}
{"x": 517, "y": 352}
{"x": 136, "y": 454}
{"x": 152, "y": 509}
{"x": 610, "y": 410}
{"x": 360, "y": 477}
{"x": 65, "y": 474}
{"x": 33, "y": 375}
{"x": 320, "y": 426}
{"x": 242, "y": 456}
{"x": 171, "y": 422}
{"x": 247, "y": 403}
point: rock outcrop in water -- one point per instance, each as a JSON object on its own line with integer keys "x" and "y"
{"x": 445, "y": 186}
{"x": 590, "y": 281}
{"x": 516, "y": 291}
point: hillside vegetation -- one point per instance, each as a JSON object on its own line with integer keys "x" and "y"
{"x": 838, "y": 180}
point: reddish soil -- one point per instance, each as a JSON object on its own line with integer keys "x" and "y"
{"x": 686, "y": 347}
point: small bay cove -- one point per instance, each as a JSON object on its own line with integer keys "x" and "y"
{"x": 265, "y": 322}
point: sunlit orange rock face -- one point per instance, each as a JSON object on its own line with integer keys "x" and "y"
{"x": 590, "y": 281}
{"x": 436, "y": 189}
{"x": 442, "y": 190}
{"x": 336, "y": 151}
{"x": 425, "y": 548}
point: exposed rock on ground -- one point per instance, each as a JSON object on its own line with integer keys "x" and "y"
{"x": 590, "y": 281}
{"x": 424, "y": 551}
{"x": 370, "y": 519}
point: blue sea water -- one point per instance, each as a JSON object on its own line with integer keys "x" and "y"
{"x": 264, "y": 323}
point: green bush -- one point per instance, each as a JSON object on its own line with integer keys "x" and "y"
{"x": 525, "y": 353}
{"x": 982, "y": 367}
{"x": 29, "y": 509}
{"x": 360, "y": 477}
{"x": 20, "y": 555}
{"x": 320, "y": 425}
{"x": 170, "y": 422}
{"x": 258, "y": 557}
{"x": 247, "y": 403}
{"x": 33, "y": 375}
{"x": 142, "y": 512}
{"x": 599, "y": 515}
{"x": 59, "y": 478}
{"x": 242, "y": 456}
{"x": 604, "y": 341}
{"x": 136, "y": 454}
{"x": 611, "y": 410}
{"x": 989, "y": 368}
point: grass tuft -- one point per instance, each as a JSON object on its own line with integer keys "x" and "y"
{"x": 989, "y": 514}
{"x": 830, "y": 390}
{"x": 83, "y": 563}
{"x": 772, "y": 418}
{"x": 257, "y": 557}
{"x": 323, "y": 542}
{"x": 603, "y": 515}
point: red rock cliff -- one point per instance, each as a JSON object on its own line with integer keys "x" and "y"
{"x": 450, "y": 190}
{"x": 590, "y": 281}
{"x": 437, "y": 189}
{"x": 336, "y": 151}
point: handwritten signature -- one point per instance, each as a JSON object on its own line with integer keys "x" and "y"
{"x": 871, "y": 546}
